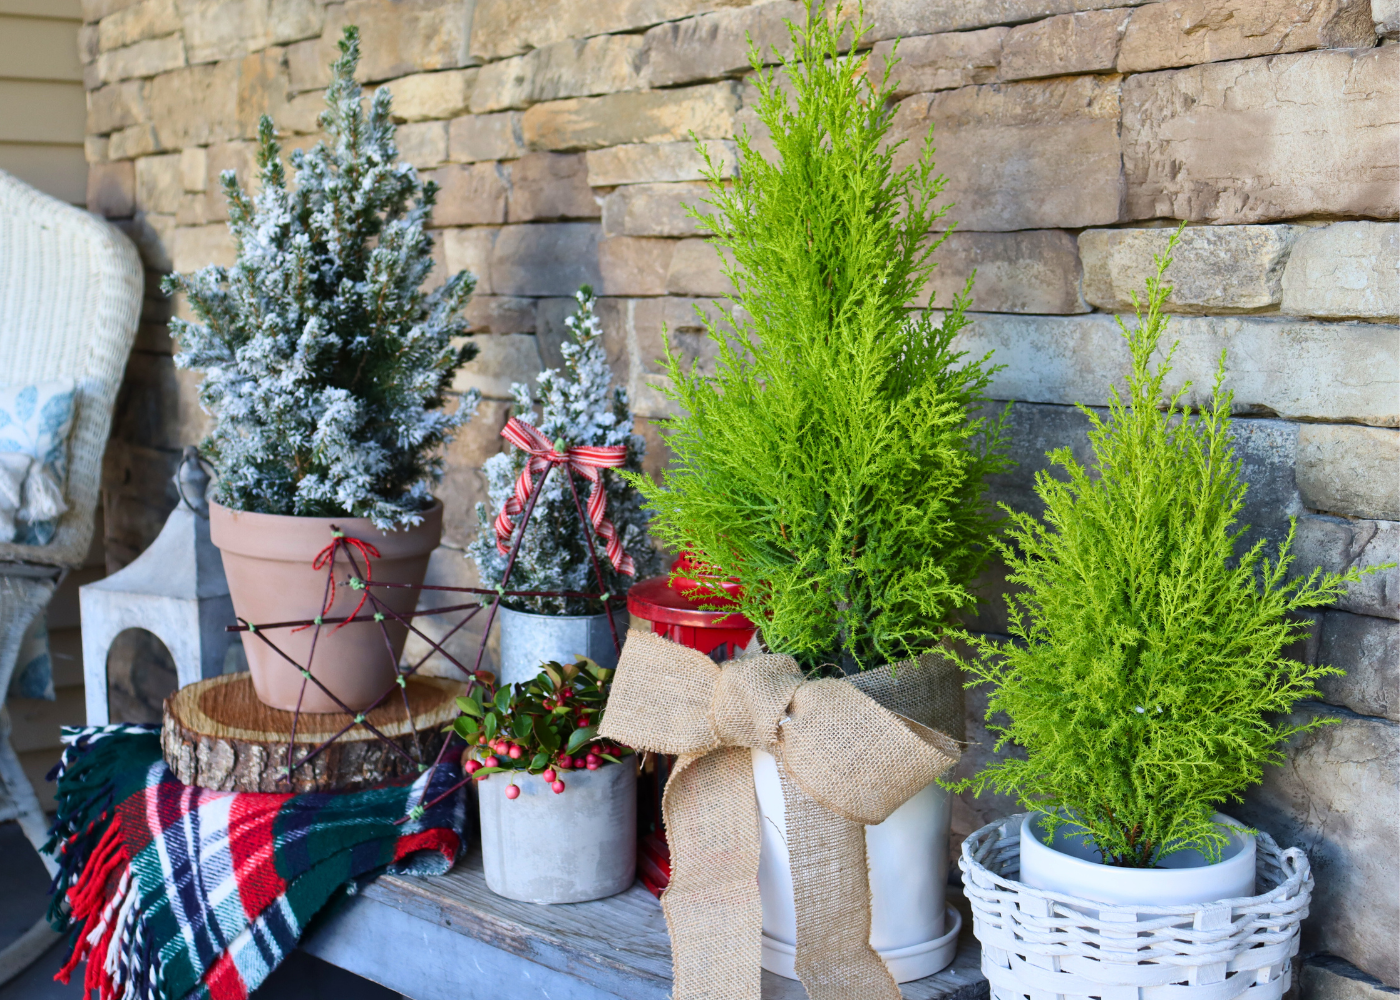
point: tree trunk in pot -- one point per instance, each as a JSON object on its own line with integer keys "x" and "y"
{"x": 566, "y": 847}
{"x": 528, "y": 640}
{"x": 268, "y": 562}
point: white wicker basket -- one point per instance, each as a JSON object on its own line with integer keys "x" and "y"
{"x": 1039, "y": 945}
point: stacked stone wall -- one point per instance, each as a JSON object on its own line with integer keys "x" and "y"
{"x": 1074, "y": 134}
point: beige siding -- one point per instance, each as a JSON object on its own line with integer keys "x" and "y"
{"x": 42, "y": 105}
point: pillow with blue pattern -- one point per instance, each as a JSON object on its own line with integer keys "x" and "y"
{"x": 35, "y": 420}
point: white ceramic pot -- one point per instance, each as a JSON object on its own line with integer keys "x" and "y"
{"x": 579, "y": 844}
{"x": 1070, "y": 866}
{"x": 910, "y": 925}
{"x": 528, "y": 640}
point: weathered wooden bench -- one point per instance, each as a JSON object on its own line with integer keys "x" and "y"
{"x": 451, "y": 938}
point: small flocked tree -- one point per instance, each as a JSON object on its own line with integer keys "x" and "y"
{"x": 1148, "y": 664}
{"x": 578, "y": 406}
{"x": 326, "y": 363}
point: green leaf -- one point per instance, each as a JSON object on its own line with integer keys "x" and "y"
{"x": 489, "y": 727}
{"x": 482, "y": 771}
{"x": 608, "y": 756}
{"x": 469, "y": 706}
{"x": 539, "y": 761}
{"x": 549, "y": 739}
{"x": 466, "y": 728}
{"x": 579, "y": 737}
{"x": 502, "y": 701}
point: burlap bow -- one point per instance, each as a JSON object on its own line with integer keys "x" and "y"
{"x": 846, "y": 760}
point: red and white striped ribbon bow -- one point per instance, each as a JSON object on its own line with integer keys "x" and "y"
{"x": 587, "y": 461}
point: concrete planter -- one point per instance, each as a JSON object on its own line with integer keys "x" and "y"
{"x": 911, "y": 926}
{"x": 1069, "y": 865}
{"x": 527, "y": 640}
{"x": 570, "y": 847}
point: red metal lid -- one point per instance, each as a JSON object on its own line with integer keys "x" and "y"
{"x": 657, "y": 601}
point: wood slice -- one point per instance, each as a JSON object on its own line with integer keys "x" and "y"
{"x": 216, "y": 734}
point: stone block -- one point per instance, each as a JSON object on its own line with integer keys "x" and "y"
{"x": 500, "y": 314}
{"x": 404, "y": 36}
{"x": 1335, "y": 798}
{"x": 1368, "y": 649}
{"x": 423, "y": 144}
{"x": 262, "y": 90}
{"x": 301, "y": 115}
{"x": 194, "y": 169}
{"x": 546, "y": 186}
{"x": 212, "y": 204}
{"x": 222, "y": 29}
{"x": 1189, "y": 32}
{"x": 308, "y": 63}
{"x": 1215, "y": 269}
{"x": 647, "y": 326}
{"x": 470, "y": 250}
{"x": 550, "y": 331}
{"x": 481, "y": 438}
{"x": 510, "y": 27}
{"x": 658, "y": 162}
{"x": 294, "y": 20}
{"x": 472, "y": 138}
{"x": 95, "y": 148}
{"x": 158, "y": 183}
{"x": 196, "y": 106}
{"x": 1293, "y": 369}
{"x": 940, "y": 62}
{"x": 1350, "y": 470}
{"x": 652, "y": 116}
{"x": 1385, "y": 17}
{"x": 1028, "y": 272}
{"x": 469, "y": 195}
{"x": 503, "y": 360}
{"x": 424, "y": 96}
{"x": 1337, "y": 544}
{"x": 653, "y": 209}
{"x": 199, "y": 246}
{"x": 902, "y": 18}
{"x": 1041, "y": 155}
{"x": 1345, "y": 270}
{"x": 111, "y": 189}
{"x": 1058, "y": 46}
{"x": 116, "y": 106}
{"x": 575, "y": 67}
{"x": 137, "y": 23}
{"x": 143, "y": 59}
{"x": 696, "y": 270}
{"x": 634, "y": 266}
{"x": 548, "y": 259}
{"x": 1326, "y": 977}
{"x": 129, "y": 143}
{"x": 717, "y": 44}
{"x": 1318, "y": 139}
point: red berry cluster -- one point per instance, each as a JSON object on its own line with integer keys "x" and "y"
{"x": 543, "y": 727}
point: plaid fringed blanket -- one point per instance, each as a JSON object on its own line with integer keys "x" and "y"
{"x": 175, "y": 892}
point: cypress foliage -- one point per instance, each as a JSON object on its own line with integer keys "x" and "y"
{"x": 834, "y": 461}
{"x": 326, "y": 364}
{"x": 1147, "y": 656}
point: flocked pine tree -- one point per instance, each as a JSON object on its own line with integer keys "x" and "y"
{"x": 578, "y": 406}
{"x": 326, "y": 363}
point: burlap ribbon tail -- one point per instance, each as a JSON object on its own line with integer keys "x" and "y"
{"x": 846, "y": 761}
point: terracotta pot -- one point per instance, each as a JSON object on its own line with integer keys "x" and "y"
{"x": 267, "y": 560}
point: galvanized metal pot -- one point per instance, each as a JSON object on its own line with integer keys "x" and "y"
{"x": 579, "y": 844}
{"x": 527, "y": 640}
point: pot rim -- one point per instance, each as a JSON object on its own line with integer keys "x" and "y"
{"x": 563, "y": 618}
{"x": 1243, "y": 834}
{"x": 297, "y": 538}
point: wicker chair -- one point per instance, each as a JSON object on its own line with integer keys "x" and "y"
{"x": 70, "y": 301}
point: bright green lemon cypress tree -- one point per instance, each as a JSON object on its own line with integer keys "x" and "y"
{"x": 833, "y": 463}
{"x": 1147, "y": 656}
